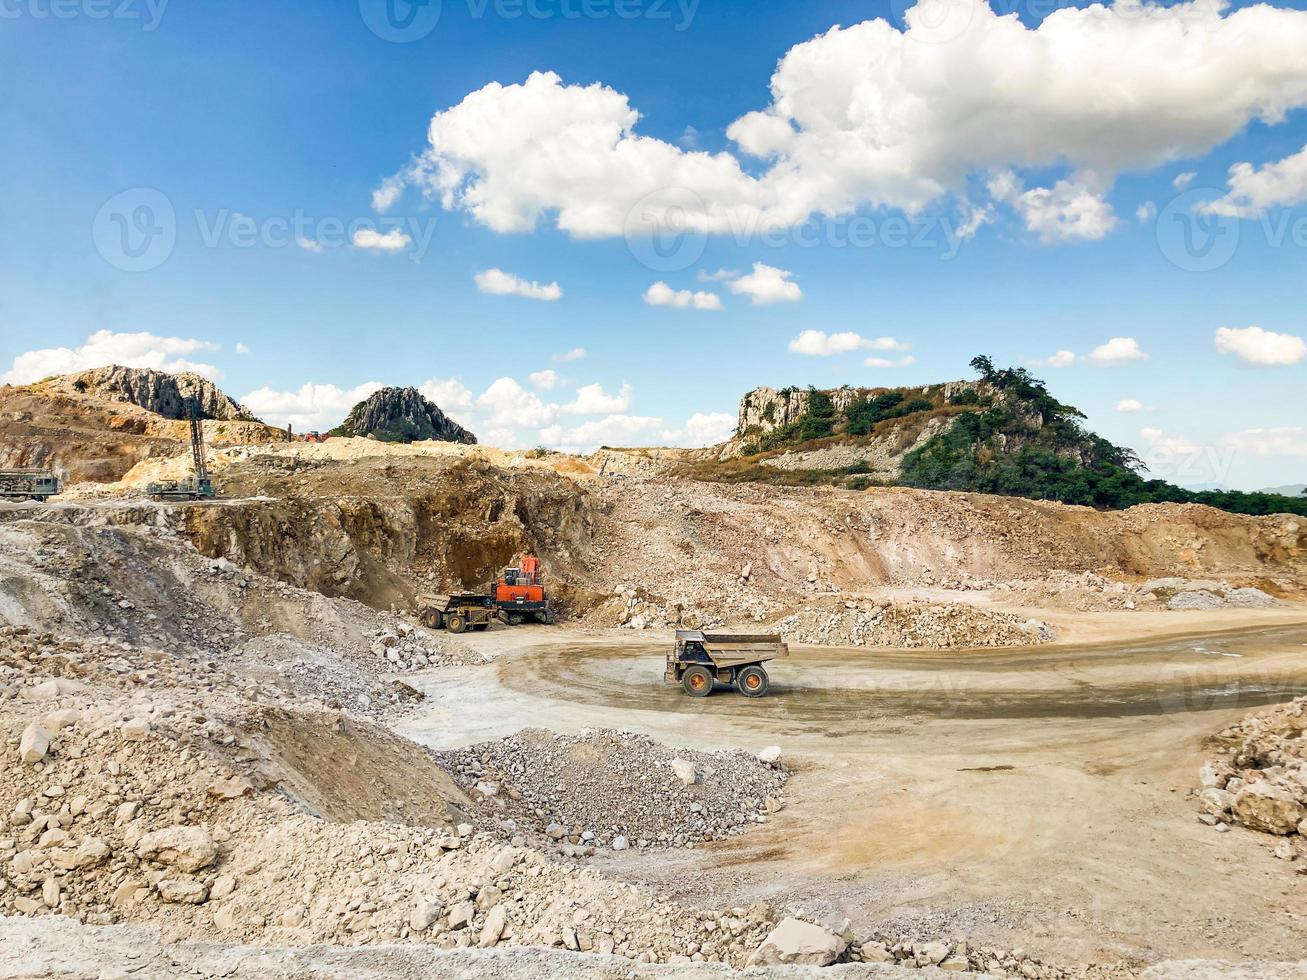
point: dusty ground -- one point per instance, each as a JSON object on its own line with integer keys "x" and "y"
{"x": 63, "y": 949}
{"x": 1032, "y": 798}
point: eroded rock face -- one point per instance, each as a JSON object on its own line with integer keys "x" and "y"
{"x": 158, "y": 392}
{"x": 402, "y": 415}
{"x": 765, "y": 409}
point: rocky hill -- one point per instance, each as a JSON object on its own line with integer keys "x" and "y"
{"x": 156, "y": 391}
{"x": 402, "y": 415}
{"x": 91, "y": 427}
{"x": 1002, "y": 433}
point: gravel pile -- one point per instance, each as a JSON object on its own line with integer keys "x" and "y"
{"x": 137, "y": 786}
{"x": 913, "y": 625}
{"x": 617, "y": 789}
{"x": 1182, "y": 593}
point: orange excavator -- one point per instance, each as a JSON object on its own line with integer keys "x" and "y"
{"x": 519, "y": 594}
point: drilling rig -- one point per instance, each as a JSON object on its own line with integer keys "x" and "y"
{"x": 198, "y": 486}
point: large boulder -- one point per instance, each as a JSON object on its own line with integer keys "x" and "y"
{"x": 402, "y": 415}
{"x": 184, "y": 848}
{"x": 796, "y": 941}
{"x": 34, "y": 744}
{"x": 1268, "y": 808}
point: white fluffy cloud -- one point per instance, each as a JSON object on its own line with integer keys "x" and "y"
{"x": 447, "y": 393}
{"x": 884, "y": 362}
{"x": 701, "y": 429}
{"x": 372, "y": 240}
{"x": 1146, "y": 212}
{"x": 105, "y": 347}
{"x": 388, "y": 192}
{"x": 497, "y": 282}
{"x": 575, "y": 354}
{"x": 544, "y": 380}
{"x": 766, "y": 285}
{"x": 310, "y": 245}
{"x": 1254, "y": 191}
{"x": 451, "y": 396}
{"x": 1253, "y": 345}
{"x": 613, "y": 430}
{"x": 1162, "y": 446}
{"x": 507, "y": 405}
{"x": 870, "y": 115}
{"x": 1063, "y": 358}
{"x": 1283, "y": 441}
{"x": 1071, "y": 210}
{"x": 313, "y": 408}
{"x": 1183, "y": 180}
{"x": 1131, "y": 405}
{"x": 1113, "y": 353}
{"x": 593, "y": 400}
{"x": 661, "y": 294}
{"x": 818, "y": 343}
{"x": 1118, "y": 350}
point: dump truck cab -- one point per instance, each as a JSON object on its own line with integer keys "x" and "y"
{"x": 700, "y": 660}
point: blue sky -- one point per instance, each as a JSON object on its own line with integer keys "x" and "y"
{"x": 243, "y": 123}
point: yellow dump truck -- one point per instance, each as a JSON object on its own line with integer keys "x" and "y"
{"x": 701, "y": 660}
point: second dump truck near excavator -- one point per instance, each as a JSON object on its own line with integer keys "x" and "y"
{"x": 701, "y": 660}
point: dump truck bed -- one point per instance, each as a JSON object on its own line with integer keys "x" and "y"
{"x": 735, "y": 649}
{"x": 444, "y": 603}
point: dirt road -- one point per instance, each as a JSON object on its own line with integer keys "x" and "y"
{"x": 1033, "y": 797}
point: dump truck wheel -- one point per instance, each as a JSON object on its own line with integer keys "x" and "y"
{"x": 431, "y": 619}
{"x": 751, "y": 681}
{"x": 697, "y": 681}
{"x": 513, "y": 619}
{"x": 455, "y": 623}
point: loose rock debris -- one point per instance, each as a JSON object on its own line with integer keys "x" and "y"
{"x": 1259, "y": 780}
{"x": 606, "y": 788}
